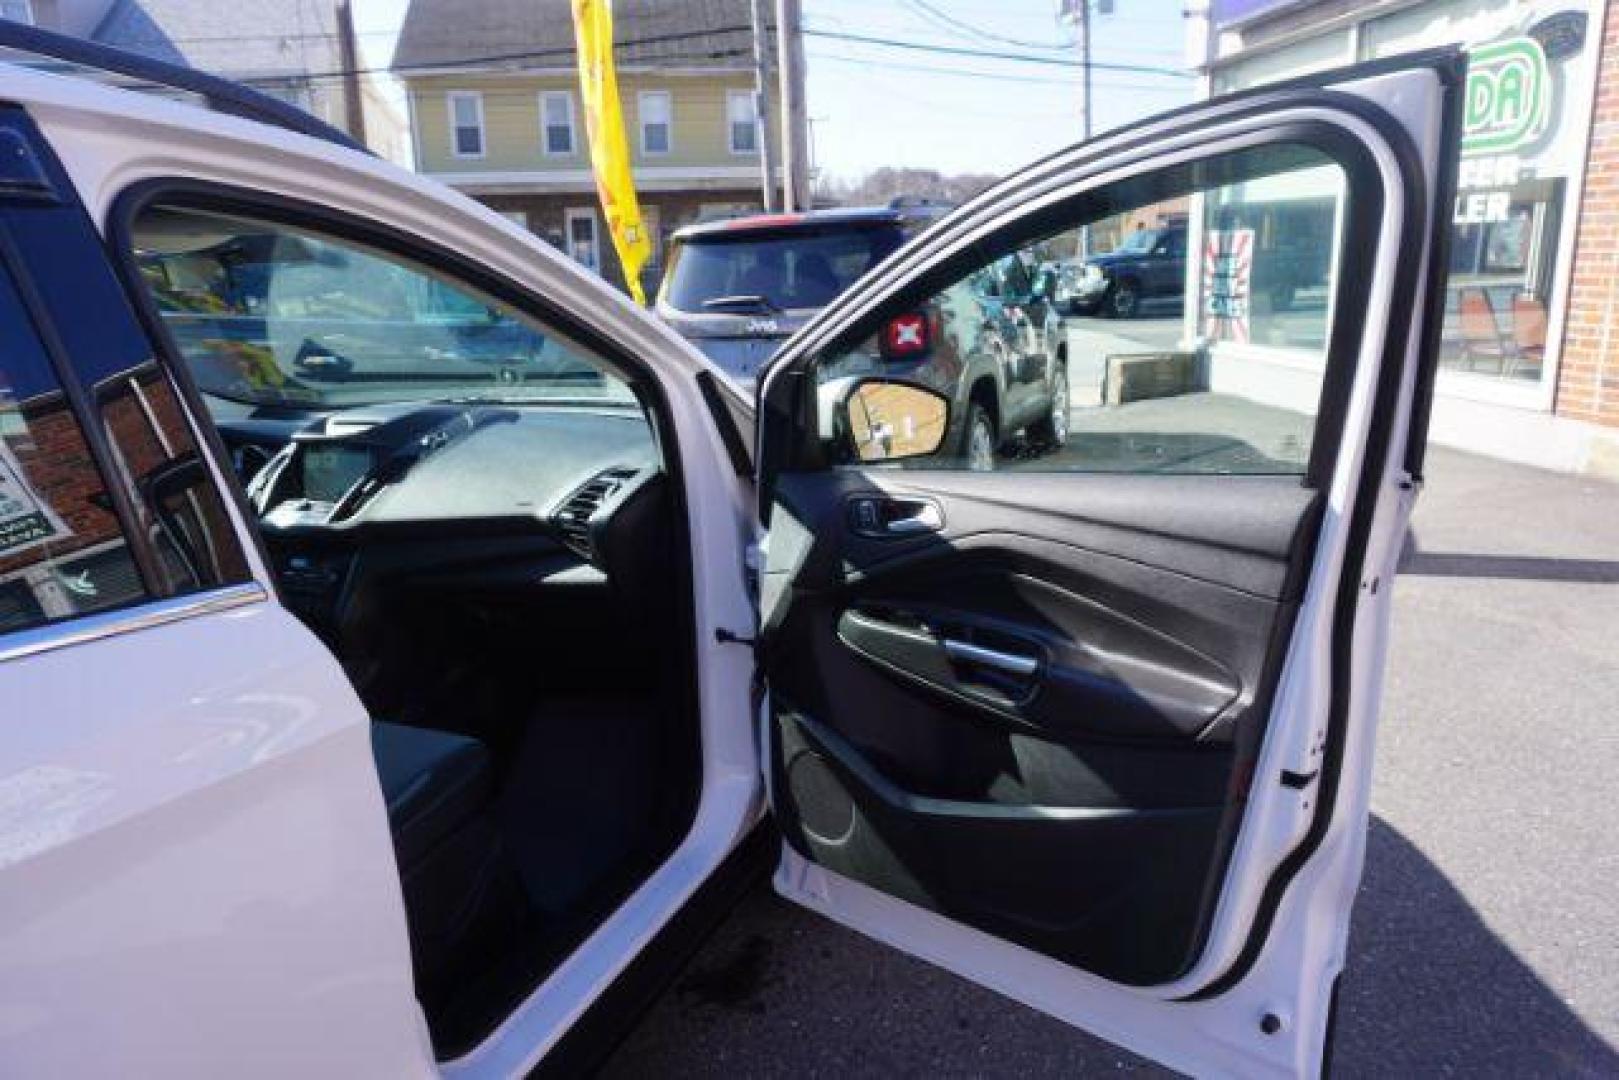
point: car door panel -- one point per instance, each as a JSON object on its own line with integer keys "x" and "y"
{"x": 1068, "y": 731}
{"x": 198, "y": 869}
{"x": 1148, "y": 622}
{"x": 194, "y": 838}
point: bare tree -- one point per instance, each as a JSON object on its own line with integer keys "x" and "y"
{"x": 885, "y": 184}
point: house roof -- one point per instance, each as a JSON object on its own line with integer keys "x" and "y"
{"x": 539, "y": 33}
{"x": 282, "y": 37}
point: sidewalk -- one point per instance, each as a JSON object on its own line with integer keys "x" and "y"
{"x": 1485, "y": 938}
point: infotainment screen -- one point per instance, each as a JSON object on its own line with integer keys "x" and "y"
{"x": 329, "y": 471}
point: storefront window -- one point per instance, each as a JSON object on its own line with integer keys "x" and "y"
{"x": 1524, "y": 131}
{"x": 1315, "y": 53}
{"x": 1268, "y": 256}
{"x": 1522, "y": 139}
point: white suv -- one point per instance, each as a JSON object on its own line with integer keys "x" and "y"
{"x": 402, "y": 635}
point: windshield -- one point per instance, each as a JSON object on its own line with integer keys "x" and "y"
{"x": 781, "y": 271}
{"x": 1140, "y": 242}
{"x": 267, "y": 314}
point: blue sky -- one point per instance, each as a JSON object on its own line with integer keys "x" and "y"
{"x": 876, "y": 106}
{"x": 873, "y": 105}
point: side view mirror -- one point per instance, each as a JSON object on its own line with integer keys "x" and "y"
{"x": 889, "y": 420}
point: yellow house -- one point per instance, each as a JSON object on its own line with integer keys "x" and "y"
{"x": 494, "y": 111}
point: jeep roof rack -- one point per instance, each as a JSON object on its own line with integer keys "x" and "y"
{"x": 220, "y": 95}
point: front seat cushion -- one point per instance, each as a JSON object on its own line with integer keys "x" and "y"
{"x": 433, "y": 782}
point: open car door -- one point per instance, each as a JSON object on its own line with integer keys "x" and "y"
{"x": 1093, "y": 726}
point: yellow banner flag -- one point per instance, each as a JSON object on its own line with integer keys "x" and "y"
{"x": 609, "y": 149}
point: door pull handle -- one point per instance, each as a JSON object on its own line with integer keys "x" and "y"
{"x": 880, "y": 516}
{"x": 925, "y": 518}
{"x": 1011, "y": 663}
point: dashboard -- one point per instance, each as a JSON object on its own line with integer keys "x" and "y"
{"x": 498, "y": 496}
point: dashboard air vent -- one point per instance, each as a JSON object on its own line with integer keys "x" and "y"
{"x": 573, "y": 516}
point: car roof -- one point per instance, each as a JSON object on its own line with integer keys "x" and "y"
{"x": 856, "y": 216}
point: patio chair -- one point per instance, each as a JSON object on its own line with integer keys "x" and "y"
{"x": 1528, "y": 332}
{"x": 1481, "y": 334}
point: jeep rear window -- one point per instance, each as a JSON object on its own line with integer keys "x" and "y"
{"x": 785, "y": 270}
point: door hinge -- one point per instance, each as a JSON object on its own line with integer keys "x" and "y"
{"x": 731, "y": 637}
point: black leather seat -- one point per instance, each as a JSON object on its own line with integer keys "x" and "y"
{"x": 433, "y": 782}
{"x": 463, "y": 900}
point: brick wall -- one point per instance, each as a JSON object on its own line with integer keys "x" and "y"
{"x": 58, "y": 468}
{"x": 1588, "y": 377}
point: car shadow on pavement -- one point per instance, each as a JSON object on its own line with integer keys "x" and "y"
{"x": 1418, "y": 563}
{"x": 1430, "y": 990}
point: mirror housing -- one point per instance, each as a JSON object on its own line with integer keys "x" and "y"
{"x": 890, "y": 420}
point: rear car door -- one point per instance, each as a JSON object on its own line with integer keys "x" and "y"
{"x": 1095, "y": 729}
{"x": 196, "y": 872}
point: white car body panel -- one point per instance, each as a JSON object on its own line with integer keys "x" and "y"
{"x": 353, "y": 1021}
{"x": 195, "y": 876}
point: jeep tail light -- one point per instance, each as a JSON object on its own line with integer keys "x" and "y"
{"x": 906, "y": 337}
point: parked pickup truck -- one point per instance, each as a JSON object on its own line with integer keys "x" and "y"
{"x": 1150, "y": 266}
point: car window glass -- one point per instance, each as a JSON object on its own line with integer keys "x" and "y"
{"x": 268, "y": 314}
{"x": 1014, "y": 280}
{"x": 783, "y": 271}
{"x": 1212, "y": 364}
{"x": 63, "y": 551}
{"x": 173, "y": 494}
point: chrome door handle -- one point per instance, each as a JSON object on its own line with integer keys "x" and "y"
{"x": 1011, "y": 663}
{"x": 926, "y": 518}
{"x": 883, "y": 516}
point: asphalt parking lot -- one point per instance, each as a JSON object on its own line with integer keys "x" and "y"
{"x": 1485, "y": 940}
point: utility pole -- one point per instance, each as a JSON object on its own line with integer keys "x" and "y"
{"x": 1078, "y": 13}
{"x": 794, "y": 121}
{"x": 761, "y": 109}
{"x": 1084, "y": 29}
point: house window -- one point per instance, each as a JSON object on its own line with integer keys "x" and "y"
{"x": 21, "y": 11}
{"x": 742, "y": 116}
{"x": 466, "y": 123}
{"x": 583, "y": 248}
{"x": 657, "y": 118}
{"x": 556, "y": 113}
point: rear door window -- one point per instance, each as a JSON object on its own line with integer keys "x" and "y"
{"x": 783, "y": 271}
{"x": 62, "y": 550}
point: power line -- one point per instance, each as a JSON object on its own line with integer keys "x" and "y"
{"x": 970, "y": 32}
{"x": 993, "y": 76}
{"x": 491, "y": 59}
{"x": 659, "y": 39}
{"x": 538, "y": 54}
{"x": 950, "y": 50}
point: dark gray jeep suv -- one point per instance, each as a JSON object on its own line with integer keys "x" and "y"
{"x": 738, "y": 288}
{"x": 993, "y": 344}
